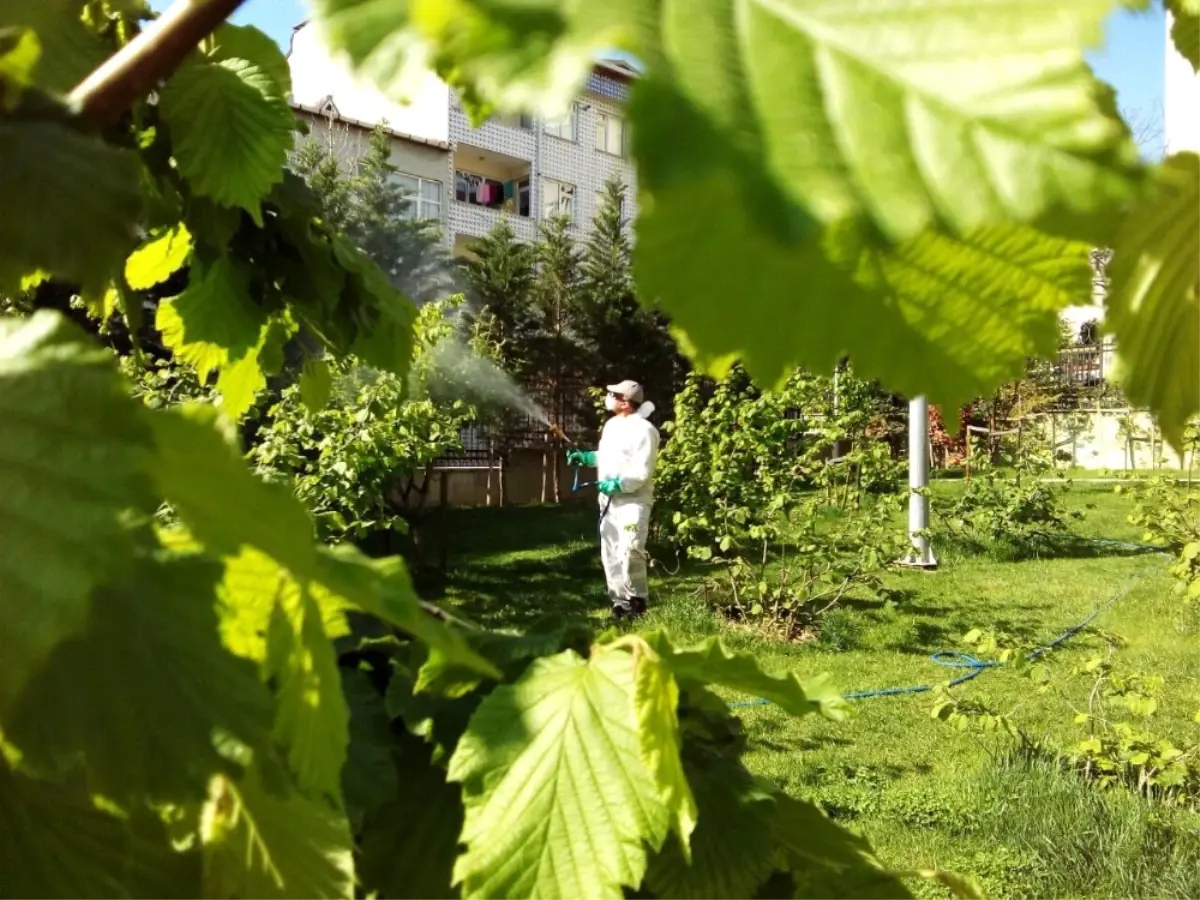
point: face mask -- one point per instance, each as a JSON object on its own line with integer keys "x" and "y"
{"x": 610, "y": 403}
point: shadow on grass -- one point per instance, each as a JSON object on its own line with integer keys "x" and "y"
{"x": 1049, "y": 547}
{"x": 506, "y": 569}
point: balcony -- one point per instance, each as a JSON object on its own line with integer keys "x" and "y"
{"x": 467, "y": 221}
{"x": 509, "y": 137}
{"x": 488, "y": 185}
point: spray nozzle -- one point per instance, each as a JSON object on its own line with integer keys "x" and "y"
{"x": 557, "y": 432}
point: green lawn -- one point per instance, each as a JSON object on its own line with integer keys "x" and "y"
{"x": 925, "y": 794}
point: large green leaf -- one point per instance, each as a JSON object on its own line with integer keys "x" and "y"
{"x": 159, "y": 258}
{"x": 1185, "y": 29}
{"x": 710, "y": 663}
{"x": 313, "y": 721}
{"x": 249, "y": 43}
{"x": 241, "y": 381}
{"x": 201, "y": 473}
{"x": 316, "y": 383}
{"x": 68, "y": 51}
{"x": 410, "y": 844}
{"x": 55, "y": 843}
{"x": 216, "y": 325}
{"x": 732, "y": 847}
{"x": 961, "y": 115}
{"x": 1153, "y": 305}
{"x": 143, "y": 694}
{"x": 231, "y": 129}
{"x": 383, "y": 588}
{"x": 263, "y": 840}
{"x": 765, "y": 129}
{"x": 944, "y": 316}
{"x": 558, "y": 801}
{"x": 369, "y": 778}
{"x": 825, "y": 859}
{"x": 253, "y": 586}
{"x": 656, "y": 709}
{"x": 19, "y": 52}
{"x": 83, "y": 195}
{"x": 72, "y": 458}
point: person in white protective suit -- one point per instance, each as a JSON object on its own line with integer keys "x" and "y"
{"x": 624, "y": 464}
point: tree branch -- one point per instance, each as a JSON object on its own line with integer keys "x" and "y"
{"x": 137, "y": 68}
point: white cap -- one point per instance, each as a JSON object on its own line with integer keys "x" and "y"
{"x": 630, "y": 390}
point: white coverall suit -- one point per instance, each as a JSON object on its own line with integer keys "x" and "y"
{"x": 628, "y": 451}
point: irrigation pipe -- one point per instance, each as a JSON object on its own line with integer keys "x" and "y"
{"x": 972, "y": 667}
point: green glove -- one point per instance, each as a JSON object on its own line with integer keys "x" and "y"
{"x": 609, "y": 486}
{"x": 581, "y": 457}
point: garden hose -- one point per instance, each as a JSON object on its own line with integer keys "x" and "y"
{"x": 577, "y": 486}
{"x": 951, "y": 659}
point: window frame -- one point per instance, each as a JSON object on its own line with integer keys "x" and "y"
{"x": 416, "y": 199}
{"x": 554, "y": 127}
{"x": 571, "y": 192}
{"x": 603, "y": 121}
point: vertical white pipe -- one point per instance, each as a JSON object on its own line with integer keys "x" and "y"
{"x": 918, "y": 481}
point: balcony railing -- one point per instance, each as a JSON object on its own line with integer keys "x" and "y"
{"x": 467, "y": 218}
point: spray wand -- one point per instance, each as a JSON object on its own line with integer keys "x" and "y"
{"x": 557, "y": 432}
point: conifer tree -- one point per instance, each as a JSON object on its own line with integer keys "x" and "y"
{"x": 499, "y": 276}
{"x": 363, "y": 196}
{"x": 623, "y": 338}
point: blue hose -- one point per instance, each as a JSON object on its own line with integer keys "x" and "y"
{"x": 975, "y": 667}
{"x": 577, "y": 485}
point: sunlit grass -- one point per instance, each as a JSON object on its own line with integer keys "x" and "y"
{"x": 923, "y": 792}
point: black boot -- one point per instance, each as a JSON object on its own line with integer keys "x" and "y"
{"x": 638, "y": 605}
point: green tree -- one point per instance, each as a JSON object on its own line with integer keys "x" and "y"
{"x": 625, "y": 338}
{"x": 318, "y": 164}
{"x": 558, "y": 362}
{"x": 500, "y": 274}
{"x": 362, "y": 197}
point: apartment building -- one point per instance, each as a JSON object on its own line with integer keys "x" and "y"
{"x": 520, "y": 167}
{"x": 420, "y": 162}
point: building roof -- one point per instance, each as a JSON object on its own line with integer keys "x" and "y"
{"x": 328, "y": 109}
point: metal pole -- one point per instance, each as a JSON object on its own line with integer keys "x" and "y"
{"x": 921, "y": 555}
{"x": 837, "y": 444}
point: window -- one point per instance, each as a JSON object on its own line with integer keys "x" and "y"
{"x": 424, "y": 197}
{"x": 610, "y": 134}
{"x": 523, "y": 204}
{"x": 522, "y": 121}
{"x": 562, "y": 128}
{"x": 558, "y": 198}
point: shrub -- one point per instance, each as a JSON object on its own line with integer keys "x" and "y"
{"x": 361, "y": 461}
{"x": 747, "y": 484}
{"x": 1013, "y": 513}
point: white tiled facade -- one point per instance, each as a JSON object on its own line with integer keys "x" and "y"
{"x": 544, "y": 158}
{"x": 501, "y": 149}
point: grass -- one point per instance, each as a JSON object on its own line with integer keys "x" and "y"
{"x": 925, "y": 794}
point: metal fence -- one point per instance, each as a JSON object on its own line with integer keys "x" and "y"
{"x": 1085, "y": 366}
{"x": 485, "y": 442}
